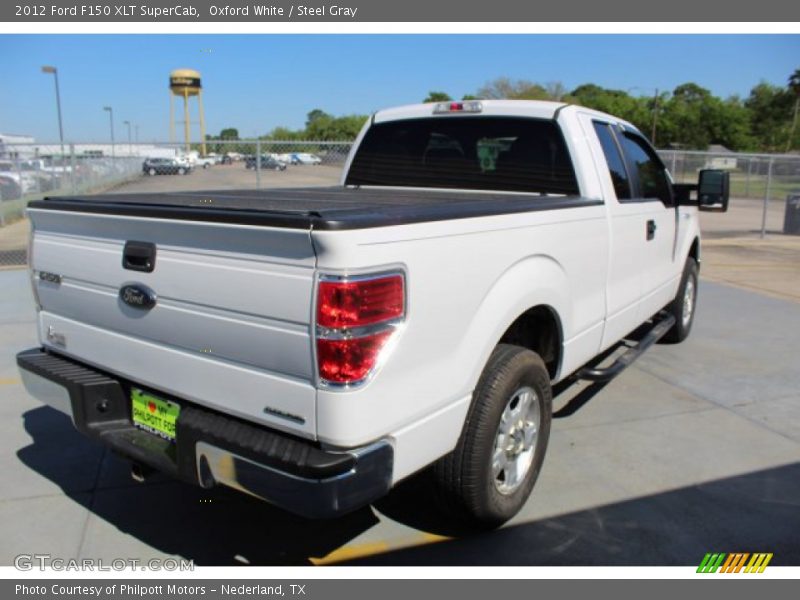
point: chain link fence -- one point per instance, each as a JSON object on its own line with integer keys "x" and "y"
{"x": 760, "y": 187}
{"x": 36, "y": 170}
{"x": 760, "y": 183}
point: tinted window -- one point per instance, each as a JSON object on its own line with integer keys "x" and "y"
{"x": 616, "y": 166}
{"x": 653, "y": 182}
{"x": 487, "y": 153}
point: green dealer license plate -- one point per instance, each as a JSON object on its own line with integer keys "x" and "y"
{"x": 155, "y": 415}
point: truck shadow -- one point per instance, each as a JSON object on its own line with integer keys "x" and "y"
{"x": 211, "y": 527}
{"x": 754, "y": 512}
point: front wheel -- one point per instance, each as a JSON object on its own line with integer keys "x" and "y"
{"x": 489, "y": 476}
{"x": 684, "y": 304}
{"x": 181, "y": 171}
{"x": 152, "y": 172}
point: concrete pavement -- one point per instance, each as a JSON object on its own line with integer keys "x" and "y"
{"x": 695, "y": 448}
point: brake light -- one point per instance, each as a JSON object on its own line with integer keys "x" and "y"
{"x": 356, "y": 319}
{"x": 467, "y": 106}
{"x": 359, "y": 303}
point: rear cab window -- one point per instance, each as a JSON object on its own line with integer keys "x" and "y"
{"x": 483, "y": 153}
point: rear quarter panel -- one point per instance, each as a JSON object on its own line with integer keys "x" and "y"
{"x": 467, "y": 280}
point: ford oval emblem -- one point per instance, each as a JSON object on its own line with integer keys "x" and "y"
{"x": 138, "y": 296}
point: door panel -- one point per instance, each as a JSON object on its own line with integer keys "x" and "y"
{"x": 653, "y": 192}
{"x": 626, "y": 233}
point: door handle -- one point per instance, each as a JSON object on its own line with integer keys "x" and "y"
{"x": 139, "y": 256}
{"x": 651, "y": 229}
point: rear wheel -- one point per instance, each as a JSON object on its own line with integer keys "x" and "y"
{"x": 684, "y": 304}
{"x": 489, "y": 476}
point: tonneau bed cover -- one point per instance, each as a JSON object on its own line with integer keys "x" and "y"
{"x": 327, "y": 208}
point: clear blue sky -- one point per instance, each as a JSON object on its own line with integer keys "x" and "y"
{"x": 256, "y": 82}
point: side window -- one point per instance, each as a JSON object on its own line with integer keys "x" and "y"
{"x": 616, "y": 165}
{"x": 652, "y": 175}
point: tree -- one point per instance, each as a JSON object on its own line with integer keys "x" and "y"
{"x": 438, "y": 97}
{"x": 229, "y": 133}
{"x": 328, "y": 128}
{"x": 638, "y": 111}
{"x": 314, "y": 115}
{"x": 469, "y": 97}
{"x": 769, "y": 107}
{"x": 556, "y": 90}
{"x": 505, "y": 88}
{"x": 794, "y": 87}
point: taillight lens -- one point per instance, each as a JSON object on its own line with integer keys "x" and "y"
{"x": 343, "y": 304}
{"x": 350, "y": 360}
{"x": 356, "y": 319}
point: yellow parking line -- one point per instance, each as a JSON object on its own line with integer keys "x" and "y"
{"x": 9, "y": 381}
{"x": 355, "y": 551}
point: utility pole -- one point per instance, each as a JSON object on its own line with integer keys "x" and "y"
{"x": 111, "y": 121}
{"x": 130, "y": 148}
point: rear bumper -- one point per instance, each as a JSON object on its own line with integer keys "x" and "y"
{"x": 212, "y": 448}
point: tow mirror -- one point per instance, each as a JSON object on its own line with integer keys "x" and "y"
{"x": 713, "y": 190}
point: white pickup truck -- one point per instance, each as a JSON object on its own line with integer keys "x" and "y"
{"x": 313, "y": 347}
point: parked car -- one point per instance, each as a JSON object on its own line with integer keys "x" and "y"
{"x": 9, "y": 187}
{"x": 304, "y": 158}
{"x": 267, "y": 162}
{"x": 205, "y": 161}
{"x": 165, "y": 166}
{"x": 315, "y": 347}
{"x": 25, "y": 179}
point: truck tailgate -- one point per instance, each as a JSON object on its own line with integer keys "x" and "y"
{"x": 230, "y": 327}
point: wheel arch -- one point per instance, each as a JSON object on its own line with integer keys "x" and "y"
{"x": 528, "y": 305}
{"x": 694, "y": 250}
{"x": 538, "y": 329}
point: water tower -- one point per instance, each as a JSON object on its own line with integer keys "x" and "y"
{"x": 185, "y": 83}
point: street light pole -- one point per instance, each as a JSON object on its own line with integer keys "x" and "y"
{"x": 111, "y": 122}
{"x": 54, "y": 71}
{"x": 130, "y": 148}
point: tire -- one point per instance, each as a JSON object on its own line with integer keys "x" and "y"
{"x": 684, "y": 304}
{"x": 152, "y": 172}
{"x": 206, "y": 165}
{"x": 468, "y": 485}
{"x": 181, "y": 171}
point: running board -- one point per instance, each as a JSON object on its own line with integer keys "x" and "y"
{"x": 605, "y": 374}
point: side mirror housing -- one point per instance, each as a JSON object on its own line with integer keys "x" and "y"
{"x": 713, "y": 190}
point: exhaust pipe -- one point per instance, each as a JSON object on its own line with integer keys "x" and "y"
{"x": 140, "y": 472}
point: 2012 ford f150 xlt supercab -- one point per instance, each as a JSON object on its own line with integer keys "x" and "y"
{"x": 313, "y": 347}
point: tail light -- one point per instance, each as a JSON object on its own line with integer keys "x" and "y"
{"x": 356, "y": 319}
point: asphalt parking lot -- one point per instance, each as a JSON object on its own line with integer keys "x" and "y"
{"x": 695, "y": 448}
